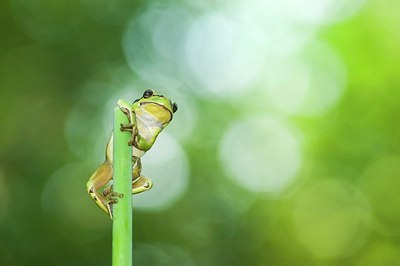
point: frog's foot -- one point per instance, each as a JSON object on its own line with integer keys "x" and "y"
{"x": 116, "y": 195}
{"x": 141, "y": 184}
{"x": 113, "y": 199}
{"x": 107, "y": 191}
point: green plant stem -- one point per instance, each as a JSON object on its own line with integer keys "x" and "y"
{"x": 122, "y": 175}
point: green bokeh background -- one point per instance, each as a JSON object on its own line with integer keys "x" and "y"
{"x": 63, "y": 65}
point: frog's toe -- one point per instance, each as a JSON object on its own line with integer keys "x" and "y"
{"x": 116, "y": 194}
{"x": 124, "y": 109}
{"x": 141, "y": 184}
{"x": 127, "y": 127}
{"x": 131, "y": 142}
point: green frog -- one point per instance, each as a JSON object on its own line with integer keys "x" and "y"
{"x": 147, "y": 117}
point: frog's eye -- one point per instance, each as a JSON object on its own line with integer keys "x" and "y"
{"x": 174, "y": 107}
{"x": 148, "y": 93}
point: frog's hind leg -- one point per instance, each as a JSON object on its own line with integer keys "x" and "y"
{"x": 99, "y": 187}
{"x": 141, "y": 184}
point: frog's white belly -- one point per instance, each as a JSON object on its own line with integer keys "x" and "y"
{"x": 136, "y": 152}
{"x": 148, "y": 126}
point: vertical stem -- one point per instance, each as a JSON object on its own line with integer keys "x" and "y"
{"x": 122, "y": 175}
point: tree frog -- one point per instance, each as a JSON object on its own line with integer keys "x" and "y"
{"x": 147, "y": 117}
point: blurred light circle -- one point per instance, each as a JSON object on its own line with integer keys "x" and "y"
{"x": 305, "y": 12}
{"x": 167, "y": 166}
{"x": 153, "y": 44}
{"x": 169, "y": 33}
{"x": 47, "y": 21}
{"x": 339, "y": 10}
{"x": 261, "y": 154}
{"x": 321, "y": 11}
{"x": 308, "y": 84}
{"x": 65, "y": 202}
{"x": 381, "y": 185}
{"x": 84, "y": 127}
{"x": 330, "y": 219}
{"x": 273, "y": 27}
{"x": 286, "y": 26}
{"x": 186, "y": 118}
{"x": 220, "y": 55}
{"x": 287, "y": 94}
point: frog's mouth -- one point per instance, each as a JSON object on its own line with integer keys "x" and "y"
{"x": 154, "y": 109}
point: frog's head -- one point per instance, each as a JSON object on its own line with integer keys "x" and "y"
{"x": 156, "y": 107}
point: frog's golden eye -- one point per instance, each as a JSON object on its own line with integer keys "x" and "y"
{"x": 174, "y": 107}
{"x": 148, "y": 93}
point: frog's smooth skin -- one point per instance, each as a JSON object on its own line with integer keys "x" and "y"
{"x": 147, "y": 116}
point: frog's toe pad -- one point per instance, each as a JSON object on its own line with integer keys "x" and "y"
{"x": 141, "y": 184}
{"x": 116, "y": 194}
{"x": 126, "y": 127}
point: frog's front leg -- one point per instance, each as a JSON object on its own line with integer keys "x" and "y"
{"x": 127, "y": 108}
